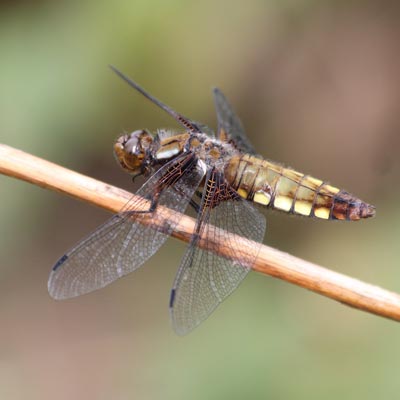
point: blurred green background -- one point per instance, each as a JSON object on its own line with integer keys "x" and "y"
{"x": 317, "y": 86}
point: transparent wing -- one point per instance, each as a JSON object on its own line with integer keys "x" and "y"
{"x": 205, "y": 279}
{"x": 185, "y": 122}
{"x": 205, "y": 129}
{"x": 123, "y": 244}
{"x": 229, "y": 124}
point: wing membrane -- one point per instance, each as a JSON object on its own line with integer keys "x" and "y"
{"x": 229, "y": 123}
{"x": 123, "y": 244}
{"x": 185, "y": 122}
{"x": 205, "y": 129}
{"x": 205, "y": 279}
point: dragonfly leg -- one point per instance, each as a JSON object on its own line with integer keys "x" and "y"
{"x": 153, "y": 204}
{"x": 195, "y": 205}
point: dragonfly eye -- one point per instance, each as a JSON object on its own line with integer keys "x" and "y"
{"x": 131, "y": 151}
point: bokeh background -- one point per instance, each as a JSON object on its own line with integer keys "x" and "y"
{"x": 317, "y": 86}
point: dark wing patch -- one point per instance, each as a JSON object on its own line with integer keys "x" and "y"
{"x": 123, "y": 244}
{"x": 229, "y": 124}
{"x": 205, "y": 279}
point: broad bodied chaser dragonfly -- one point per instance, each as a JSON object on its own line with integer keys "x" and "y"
{"x": 222, "y": 178}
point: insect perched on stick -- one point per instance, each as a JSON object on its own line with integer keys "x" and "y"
{"x": 222, "y": 179}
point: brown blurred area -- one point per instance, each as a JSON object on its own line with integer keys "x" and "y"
{"x": 317, "y": 87}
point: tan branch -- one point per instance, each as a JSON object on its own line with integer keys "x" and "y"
{"x": 355, "y": 293}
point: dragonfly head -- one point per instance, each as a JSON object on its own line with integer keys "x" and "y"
{"x": 131, "y": 152}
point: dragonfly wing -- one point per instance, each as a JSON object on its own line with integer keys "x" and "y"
{"x": 123, "y": 243}
{"x": 185, "y": 122}
{"x": 229, "y": 124}
{"x": 205, "y": 129}
{"x": 205, "y": 279}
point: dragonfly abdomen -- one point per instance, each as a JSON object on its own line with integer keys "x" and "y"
{"x": 285, "y": 189}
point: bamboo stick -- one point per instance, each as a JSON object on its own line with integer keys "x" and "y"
{"x": 355, "y": 293}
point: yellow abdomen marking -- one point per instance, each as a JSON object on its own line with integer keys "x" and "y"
{"x": 242, "y": 193}
{"x": 285, "y": 190}
{"x": 304, "y": 200}
{"x": 262, "y": 197}
{"x": 303, "y": 207}
{"x": 322, "y": 212}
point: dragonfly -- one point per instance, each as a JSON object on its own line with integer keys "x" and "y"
{"x": 223, "y": 179}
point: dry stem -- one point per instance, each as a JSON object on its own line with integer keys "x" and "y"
{"x": 350, "y": 291}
